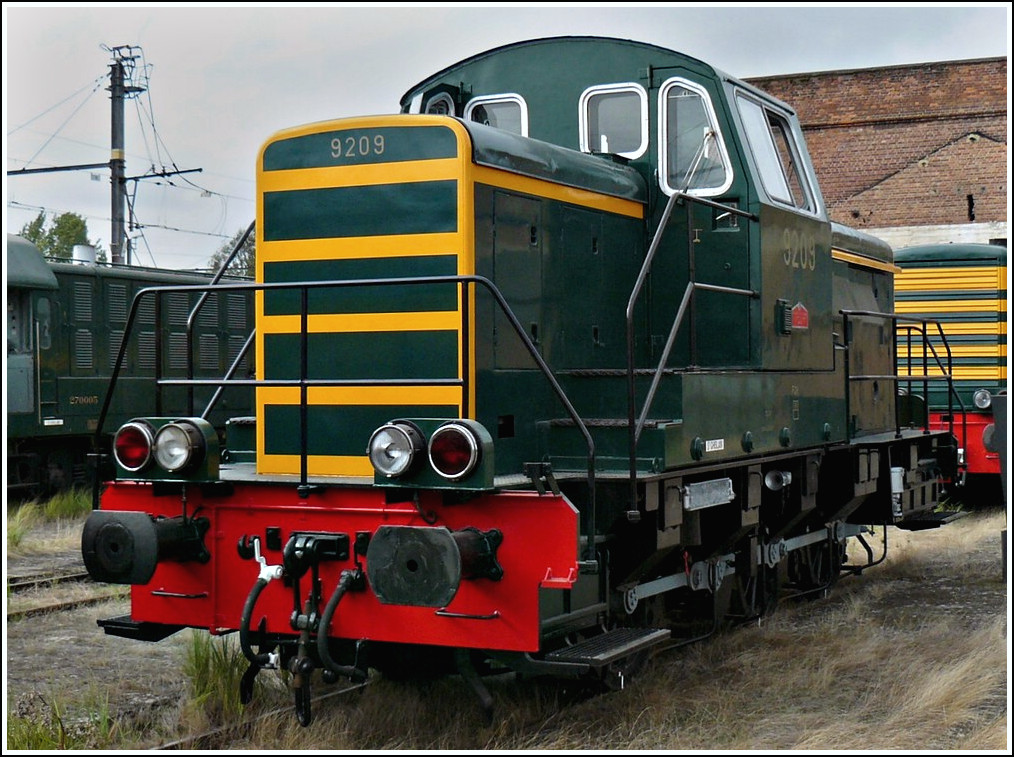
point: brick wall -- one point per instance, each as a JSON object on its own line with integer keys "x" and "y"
{"x": 906, "y": 145}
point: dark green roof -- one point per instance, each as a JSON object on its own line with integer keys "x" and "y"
{"x": 860, "y": 243}
{"x": 502, "y": 149}
{"x": 26, "y": 266}
{"x": 951, "y": 254}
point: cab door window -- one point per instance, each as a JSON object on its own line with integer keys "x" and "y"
{"x": 693, "y": 156}
{"x": 776, "y": 155}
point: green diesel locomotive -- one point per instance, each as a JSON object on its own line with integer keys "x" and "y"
{"x": 563, "y": 363}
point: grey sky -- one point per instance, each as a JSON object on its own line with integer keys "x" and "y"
{"x": 222, "y": 79}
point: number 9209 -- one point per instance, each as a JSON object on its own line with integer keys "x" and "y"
{"x": 357, "y": 146}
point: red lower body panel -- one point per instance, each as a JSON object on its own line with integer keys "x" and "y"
{"x": 539, "y": 549}
{"x": 977, "y": 458}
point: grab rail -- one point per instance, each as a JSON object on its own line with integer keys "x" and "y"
{"x": 192, "y": 319}
{"x": 636, "y": 424}
{"x": 920, "y": 326}
{"x": 303, "y": 382}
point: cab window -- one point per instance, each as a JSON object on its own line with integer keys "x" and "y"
{"x": 614, "y": 119}
{"x": 693, "y": 154}
{"x": 507, "y": 112}
{"x": 776, "y": 154}
{"x": 441, "y": 105}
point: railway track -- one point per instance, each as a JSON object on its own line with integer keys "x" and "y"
{"x": 19, "y": 584}
{"x": 219, "y": 738}
{"x": 43, "y": 593}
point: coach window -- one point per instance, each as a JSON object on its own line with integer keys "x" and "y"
{"x": 776, "y": 154}
{"x": 44, "y": 321}
{"x": 441, "y": 105}
{"x": 614, "y": 119}
{"x": 507, "y": 112}
{"x": 18, "y": 318}
{"x": 693, "y": 152}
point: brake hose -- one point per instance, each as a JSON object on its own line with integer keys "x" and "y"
{"x": 345, "y": 581}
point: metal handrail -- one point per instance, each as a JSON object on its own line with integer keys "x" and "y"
{"x": 303, "y": 382}
{"x": 635, "y": 423}
{"x": 237, "y": 361}
{"x": 192, "y": 318}
{"x": 919, "y": 325}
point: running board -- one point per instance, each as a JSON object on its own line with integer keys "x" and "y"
{"x": 922, "y": 521}
{"x": 126, "y": 628}
{"x": 601, "y": 650}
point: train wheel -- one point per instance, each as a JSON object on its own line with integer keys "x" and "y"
{"x": 815, "y": 568}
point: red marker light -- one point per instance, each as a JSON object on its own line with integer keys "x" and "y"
{"x": 454, "y": 451}
{"x": 132, "y": 446}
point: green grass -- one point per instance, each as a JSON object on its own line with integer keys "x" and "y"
{"x": 20, "y": 521}
{"x": 37, "y": 723}
{"x": 214, "y": 666}
{"x": 68, "y": 504}
{"x": 64, "y": 508}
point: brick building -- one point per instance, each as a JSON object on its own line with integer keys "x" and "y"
{"x": 913, "y": 154}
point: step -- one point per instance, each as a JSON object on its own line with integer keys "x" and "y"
{"x": 608, "y": 647}
{"x": 934, "y": 519}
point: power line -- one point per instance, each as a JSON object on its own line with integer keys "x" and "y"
{"x": 129, "y": 80}
{"x": 14, "y": 204}
{"x": 95, "y": 83}
{"x": 192, "y": 188}
{"x": 65, "y": 122}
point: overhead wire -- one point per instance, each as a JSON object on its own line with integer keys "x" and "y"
{"x": 146, "y": 117}
{"x": 55, "y": 211}
{"x": 66, "y": 121}
{"x": 94, "y": 83}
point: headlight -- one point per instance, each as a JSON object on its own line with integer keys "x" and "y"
{"x": 982, "y": 399}
{"x": 454, "y": 451}
{"x": 178, "y": 446}
{"x": 132, "y": 446}
{"x": 393, "y": 448}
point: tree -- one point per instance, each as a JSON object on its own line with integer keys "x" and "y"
{"x": 244, "y": 264}
{"x": 58, "y": 239}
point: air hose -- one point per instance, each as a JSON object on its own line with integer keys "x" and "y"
{"x": 345, "y": 582}
{"x": 262, "y": 660}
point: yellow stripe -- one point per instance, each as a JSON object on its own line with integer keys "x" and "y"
{"x": 317, "y": 465}
{"x": 361, "y": 122}
{"x": 960, "y": 351}
{"x": 359, "y": 395}
{"x": 406, "y": 172}
{"x": 987, "y": 330}
{"x": 442, "y": 320}
{"x": 935, "y": 279}
{"x": 951, "y": 306}
{"x": 559, "y": 192}
{"x": 361, "y": 248}
{"x": 965, "y": 372}
{"x": 863, "y": 261}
